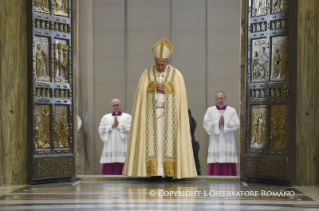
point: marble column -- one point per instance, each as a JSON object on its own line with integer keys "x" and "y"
{"x": 13, "y": 92}
{"x": 242, "y": 85}
{"x": 86, "y": 78}
{"x": 307, "y": 86}
{"x": 78, "y": 161}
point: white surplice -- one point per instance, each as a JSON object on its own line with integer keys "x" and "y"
{"x": 115, "y": 139}
{"x": 222, "y": 145}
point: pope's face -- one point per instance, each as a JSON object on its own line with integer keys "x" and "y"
{"x": 220, "y": 99}
{"x": 116, "y": 106}
{"x": 161, "y": 66}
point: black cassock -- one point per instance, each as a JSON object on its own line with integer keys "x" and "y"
{"x": 195, "y": 144}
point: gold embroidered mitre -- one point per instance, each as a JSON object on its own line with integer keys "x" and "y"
{"x": 162, "y": 50}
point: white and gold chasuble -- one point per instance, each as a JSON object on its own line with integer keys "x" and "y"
{"x": 177, "y": 153}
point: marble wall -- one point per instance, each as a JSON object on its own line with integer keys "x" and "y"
{"x": 115, "y": 41}
{"x": 13, "y": 92}
{"x": 307, "y": 86}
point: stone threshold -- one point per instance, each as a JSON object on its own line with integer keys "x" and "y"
{"x": 125, "y": 178}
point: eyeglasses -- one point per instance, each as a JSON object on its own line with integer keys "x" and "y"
{"x": 116, "y": 105}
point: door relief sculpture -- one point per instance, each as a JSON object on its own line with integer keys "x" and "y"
{"x": 41, "y": 6}
{"x": 278, "y": 132}
{"x": 61, "y": 49}
{"x": 61, "y": 7}
{"x": 50, "y": 97}
{"x": 279, "y": 58}
{"x": 41, "y": 59}
{"x": 42, "y": 132}
{"x": 279, "y": 6}
{"x": 259, "y": 60}
{"x": 259, "y": 7}
{"x": 258, "y": 127}
{"x": 267, "y": 90}
{"x": 61, "y": 127}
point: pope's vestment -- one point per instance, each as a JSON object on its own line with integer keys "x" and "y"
{"x": 173, "y": 153}
{"x": 222, "y": 145}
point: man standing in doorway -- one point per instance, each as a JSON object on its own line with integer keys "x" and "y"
{"x": 114, "y": 130}
{"x": 220, "y": 122}
{"x": 160, "y": 140}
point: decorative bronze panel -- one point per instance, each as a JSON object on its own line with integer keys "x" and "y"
{"x": 41, "y": 6}
{"x": 258, "y": 93}
{"x": 42, "y": 93}
{"x": 61, "y": 49}
{"x": 41, "y": 59}
{"x": 50, "y": 108}
{"x": 54, "y": 167}
{"x": 61, "y": 7}
{"x": 61, "y": 27}
{"x": 268, "y": 82}
{"x": 265, "y": 168}
{"x": 42, "y": 132}
{"x": 278, "y": 24}
{"x": 258, "y": 126}
{"x": 279, "y": 58}
{"x": 259, "y": 7}
{"x": 259, "y": 60}
{"x": 61, "y": 93}
{"x": 276, "y": 93}
{"x": 279, "y": 6}
{"x": 278, "y": 133}
{"x": 42, "y": 24}
{"x": 61, "y": 127}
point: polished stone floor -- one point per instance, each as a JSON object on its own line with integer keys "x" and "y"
{"x": 200, "y": 195}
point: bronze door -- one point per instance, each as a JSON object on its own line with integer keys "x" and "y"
{"x": 50, "y": 79}
{"x": 268, "y": 82}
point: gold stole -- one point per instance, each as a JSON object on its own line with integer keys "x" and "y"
{"x": 170, "y": 124}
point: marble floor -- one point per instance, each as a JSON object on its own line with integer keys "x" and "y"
{"x": 120, "y": 194}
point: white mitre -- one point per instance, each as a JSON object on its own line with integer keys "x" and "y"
{"x": 162, "y": 50}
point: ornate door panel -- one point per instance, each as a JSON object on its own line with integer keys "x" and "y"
{"x": 50, "y": 71}
{"x": 268, "y": 82}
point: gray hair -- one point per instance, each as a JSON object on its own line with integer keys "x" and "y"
{"x": 115, "y": 99}
{"x": 220, "y": 91}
